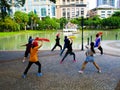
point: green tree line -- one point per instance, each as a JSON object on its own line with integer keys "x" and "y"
{"x": 24, "y": 21}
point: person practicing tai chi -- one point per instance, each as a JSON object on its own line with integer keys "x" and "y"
{"x": 98, "y": 43}
{"x": 33, "y": 59}
{"x": 57, "y": 43}
{"x": 66, "y": 40}
{"x": 90, "y": 58}
{"x": 69, "y": 51}
{"x": 28, "y": 46}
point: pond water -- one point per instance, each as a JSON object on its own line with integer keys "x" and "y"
{"x": 14, "y": 43}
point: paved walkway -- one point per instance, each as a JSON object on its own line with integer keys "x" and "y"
{"x": 111, "y": 47}
{"x": 62, "y": 76}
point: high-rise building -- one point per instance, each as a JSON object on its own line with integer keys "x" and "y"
{"x": 71, "y": 8}
{"x": 118, "y": 3}
{"x": 107, "y": 2}
{"x": 42, "y": 8}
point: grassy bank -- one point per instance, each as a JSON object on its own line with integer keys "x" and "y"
{"x": 5, "y": 34}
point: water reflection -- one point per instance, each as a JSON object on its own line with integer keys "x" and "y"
{"x": 15, "y": 42}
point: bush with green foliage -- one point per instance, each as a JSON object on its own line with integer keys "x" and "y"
{"x": 9, "y": 25}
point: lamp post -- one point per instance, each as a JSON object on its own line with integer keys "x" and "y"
{"x": 82, "y": 24}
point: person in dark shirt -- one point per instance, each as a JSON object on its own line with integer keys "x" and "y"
{"x": 65, "y": 45}
{"x": 57, "y": 43}
{"x": 69, "y": 51}
{"x": 27, "y": 51}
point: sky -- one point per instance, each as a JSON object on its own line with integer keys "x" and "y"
{"x": 92, "y": 4}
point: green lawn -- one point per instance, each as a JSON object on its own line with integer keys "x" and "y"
{"x": 5, "y": 34}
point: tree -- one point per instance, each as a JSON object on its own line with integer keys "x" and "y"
{"x": 63, "y": 21}
{"x": 6, "y": 4}
{"x": 54, "y": 1}
{"x": 117, "y": 14}
{"x": 33, "y": 19}
{"x": 94, "y": 22}
{"x": 50, "y": 23}
{"x": 21, "y": 18}
{"x": 9, "y": 25}
{"x": 111, "y": 23}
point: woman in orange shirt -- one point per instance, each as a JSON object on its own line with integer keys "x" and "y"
{"x": 34, "y": 59}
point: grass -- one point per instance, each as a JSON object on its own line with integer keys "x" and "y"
{"x": 6, "y": 34}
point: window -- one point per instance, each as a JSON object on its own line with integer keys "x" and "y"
{"x": 82, "y": 11}
{"x": 64, "y": 12}
{"x": 81, "y": 1}
{"x": 77, "y": 12}
{"x": 104, "y": 1}
{"x": 102, "y": 11}
{"x": 68, "y": 12}
{"x": 36, "y": 0}
{"x": 77, "y": 1}
{"x": 43, "y": 11}
{"x": 63, "y": 1}
{"x": 53, "y": 10}
{"x": 102, "y": 15}
{"x": 73, "y": 12}
{"x": 109, "y": 12}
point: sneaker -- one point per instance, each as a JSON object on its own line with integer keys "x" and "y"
{"x": 61, "y": 62}
{"x": 23, "y": 60}
{"x": 81, "y": 72}
{"x": 39, "y": 74}
{"x": 74, "y": 60}
{"x": 99, "y": 71}
{"x": 23, "y": 76}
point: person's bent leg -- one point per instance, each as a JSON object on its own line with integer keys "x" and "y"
{"x": 60, "y": 47}
{"x": 64, "y": 57}
{"x": 83, "y": 67}
{"x": 53, "y": 47}
{"x": 62, "y": 51}
{"x": 96, "y": 65}
{"x": 28, "y": 67}
{"x": 101, "y": 49}
{"x": 26, "y": 70}
{"x": 72, "y": 53}
{"x": 39, "y": 68}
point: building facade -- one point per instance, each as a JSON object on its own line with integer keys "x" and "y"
{"x": 114, "y": 3}
{"x": 42, "y": 8}
{"x": 71, "y": 8}
{"x": 118, "y": 3}
{"x": 108, "y": 2}
{"x": 104, "y": 11}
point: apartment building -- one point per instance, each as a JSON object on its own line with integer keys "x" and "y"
{"x": 62, "y": 8}
{"x": 71, "y": 8}
{"x": 42, "y": 8}
{"x": 104, "y": 11}
{"x": 118, "y": 4}
{"x": 108, "y": 2}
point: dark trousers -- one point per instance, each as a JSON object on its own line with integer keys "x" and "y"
{"x": 29, "y": 65}
{"x": 69, "y": 52}
{"x": 56, "y": 46}
{"x": 101, "y": 49}
{"x": 63, "y": 50}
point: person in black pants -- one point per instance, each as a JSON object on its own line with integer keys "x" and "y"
{"x": 57, "y": 43}
{"x": 66, "y": 40}
{"x": 69, "y": 51}
{"x": 98, "y": 43}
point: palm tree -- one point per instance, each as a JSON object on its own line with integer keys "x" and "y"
{"x": 6, "y": 4}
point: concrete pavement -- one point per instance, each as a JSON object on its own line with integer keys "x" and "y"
{"x": 64, "y": 76}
